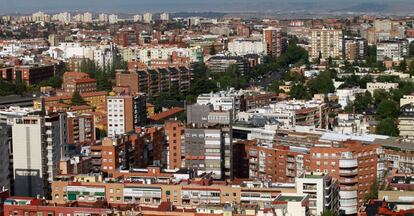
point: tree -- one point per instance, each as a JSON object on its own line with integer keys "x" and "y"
{"x": 387, "y": 127}
{"x": 299, "y": 92}
{"x": 322, "y": 84}
{"x": 213, "y": 50}
{"x": 387, "y": 109}
{"x": 403, "y": 66}
{"x": 411, "y": 50}
{"x": 274, "y": 87}
{"x": 373, "y": 194}
{"x": 77, "y": 99}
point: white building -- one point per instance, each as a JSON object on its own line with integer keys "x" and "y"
{"x": 371, "y": 87}
{"x": 295, "y": 204}
{"x": 71, "y": 50}
{"x": 346, "y": 96}
{"x": 406, "y": 99}
{"x": 242, "y": 47}
{"x": 103, "y": 18}
{"x": 148, "y": 53}
{"x": 223, "y": 100}
{"x": 40, "y": 17}
{"x": 165, "y": 16}
{"x": 322, "y": 191}
{"x": 137, "y": 18}
{"x": 39, "y": 143}
{"x": 63, "y": 17}
{"x": 392, "y": 50}
{"x": 103, "y": 56}
{"x": 147, "y": 17}
{"x": 113, "y": 18}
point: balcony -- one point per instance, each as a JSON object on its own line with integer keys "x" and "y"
{"x": 290, "y": 167}
{"x": 348, "y": 180}
{"x": 348, "y": 202}
{"x": 348, "y": 194}
{"x": 348, "y": 163}
{"x": 348, "y": 172}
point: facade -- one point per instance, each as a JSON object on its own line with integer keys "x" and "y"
{"x": 29, "y": 74}
{"x": 406, "y": 122}
{"x": 322, "y": 191}
{"x": 154, "y": 82}
{"x": 241, "y": 47}
{"x": 79, "y": 85}
{"x": 204, "y": 150}
{"x": 81, "y": 129}
{"x": 5, "y": 151}
{"x": 371, "y": 87}
{"x": 219, "y": 64}
{"x": 174, "y": 133}
{"x": 355, "y": 49}
{"x": 326, "y": 43}
{"x": 393, "y": 50}
{"x": 274, "y": 41}
{"x": 406, "y": 99}
{"x": 42, "y": 140}
{"x": 125, "y": 113}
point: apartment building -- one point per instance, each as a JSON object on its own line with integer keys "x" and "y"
{"x": 204, "y": 114}
{"x": 29, "y": 74}
{"x": 326, "y": 43}
{"x": 5, "y": 153}
{"x": 274, "y": 41}
{"x": 394, "y": 50}
{"x": 354, "y": 165}
{"x": 154, "y": 82}
{"x": 145, "y": 188}
{"x": 223, "y": 100}
{"x": 125, "y": 112}
{"x": 371, "y": 87}
{"x": 355, "y": 49}
{"x": 220, "y": 64}
{"x": 405, "y": 122}
{"x": 82, "y": 85}
{"x": 174, "y": 133}
{"x": 241, "y": 47}
{"x": 146, "y": 146}
{"x": 406, "y": 99}
{"x": 204, "y": 149}
{"x": 93, "y": 99}
{"x": 80, "y": 129}
{"x": 42, "y": 141}
{"x": 291, "y": 113}
{"x": 322, "y": 191}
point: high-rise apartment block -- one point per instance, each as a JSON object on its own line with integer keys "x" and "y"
{"x": 38, "y": 145}
{"x": 326, "y": 43}
{"x": 125, "y": 113}
{"x": 274, "y": 41}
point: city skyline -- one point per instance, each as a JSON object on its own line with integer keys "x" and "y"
{"x": 267, "y": 6}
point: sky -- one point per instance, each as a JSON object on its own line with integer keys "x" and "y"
{"x": 131, "y": 6}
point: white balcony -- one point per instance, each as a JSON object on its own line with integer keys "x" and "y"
{"x": 348, "y": 163}
{"x": 348, "y": 202}
{"x": 348, "y": 194}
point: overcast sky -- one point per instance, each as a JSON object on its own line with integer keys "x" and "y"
{"x": 129, "y": 6}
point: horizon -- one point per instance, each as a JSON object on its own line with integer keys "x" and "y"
{"x": 229, "y": 6}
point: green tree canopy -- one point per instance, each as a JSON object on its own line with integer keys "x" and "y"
{"x": 387, "y": 109}
{"x": 322, "y": 84}
{"x": 299, "y": 92}
{"x": 77, "y": 99}
{"x": 387, "y": 127}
